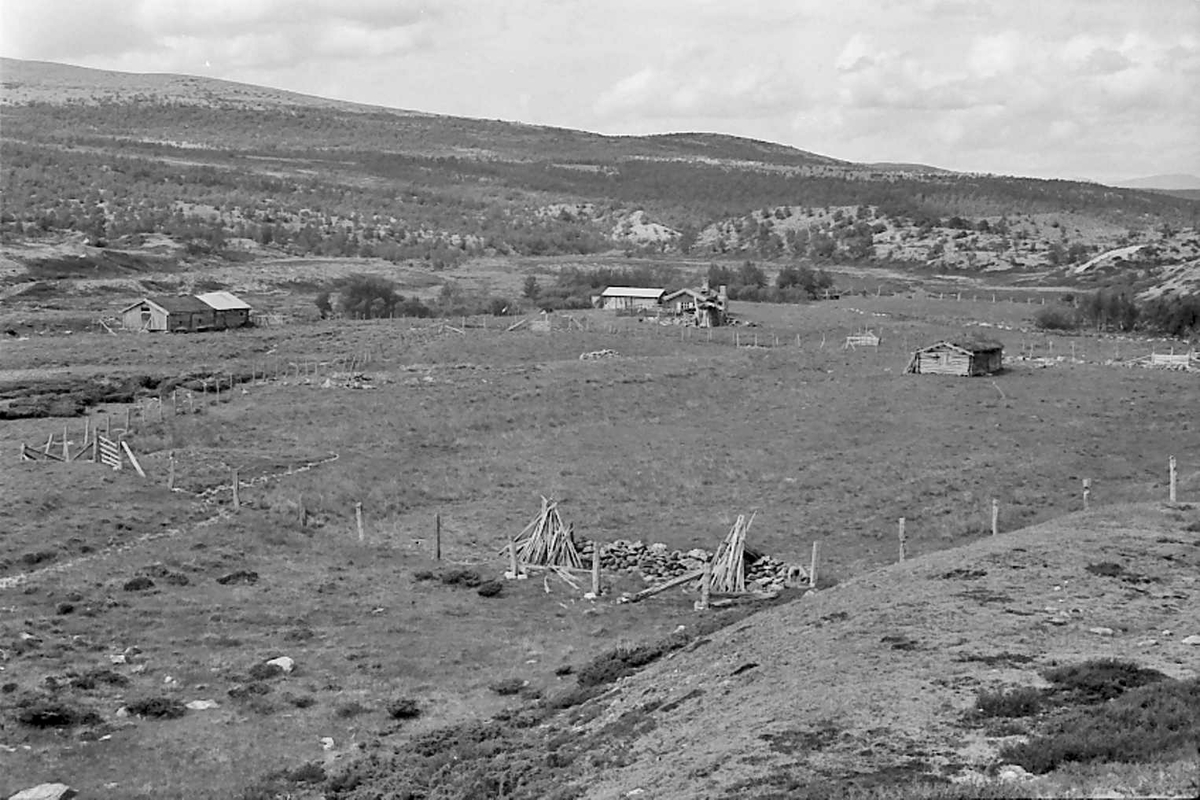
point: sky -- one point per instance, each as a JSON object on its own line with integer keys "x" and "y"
{"x": 1094, "y": 89}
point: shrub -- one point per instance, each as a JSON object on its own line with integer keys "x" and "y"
{"x": 300, "y": 700}
{"x": 350, "y": 709}
{"x": 404, "y": 708}
{"x": 1022, "y": 702}
{"x": 158, "y": 707}
{"x": 1146, "y": 724}
{"x": 616, "y": 664}
{"x": 508, "y": 686}
{"x": 1101, "y": 679}
{"x": 468, "y": 578}
{"x": 138, "y": 584}
{"x": 1050, "y": 318}
{"x": 489, "y": 588}
{"x": 265, "y": 671}
{"x": 41, "y": 713}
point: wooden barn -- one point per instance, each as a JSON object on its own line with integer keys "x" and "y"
{"x": 706, "y": 306}
{"x": 229, "y": 310}
{"x": 631, "y": 298}
{"x": 958, "y": 357}
{"x": 167, "y": 313}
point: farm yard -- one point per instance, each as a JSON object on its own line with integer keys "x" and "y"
{"x": 667, "y": 441}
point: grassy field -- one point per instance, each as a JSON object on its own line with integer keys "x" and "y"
{"x": 668, "y": 442}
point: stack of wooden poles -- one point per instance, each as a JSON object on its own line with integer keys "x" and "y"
{"x": 729, "y": 563}
{"x": 546, "y": 541}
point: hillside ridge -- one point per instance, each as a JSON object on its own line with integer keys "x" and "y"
{"x": 880, "y": 670}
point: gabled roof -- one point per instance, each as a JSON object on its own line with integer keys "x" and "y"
{"x": 224, "y": 301}
{"x": 694, "y": 293}
{"x": 174, "y": 304}
{"x": 632, "y": 291}
{"x": 967, "y": 345}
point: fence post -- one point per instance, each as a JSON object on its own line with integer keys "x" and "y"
{"x": 66, "y": 450}
{"x": 358, "y": 522}
{"x": 705, "y": 585}
{"x": 1087, "y": 492}
{"x": 437, "y": 537}
{"x": 812, "y": 566}
{"x": 171, "y": 471}
{"x": 1171, "y": 480}
{"x": 512, "y": 557}
{"x": 237, "y": 496}
{"x": 995, "y": 516}
{"x": 127, "y": 410}
{"x": 596, "y": 568}
{"x": 903, "y": 541}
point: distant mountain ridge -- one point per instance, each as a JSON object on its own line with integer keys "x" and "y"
{"x": 1175, "y": 182}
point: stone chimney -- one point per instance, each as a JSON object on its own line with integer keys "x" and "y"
{"x": 723, "y": 294}
{"x": 704, "y": 286}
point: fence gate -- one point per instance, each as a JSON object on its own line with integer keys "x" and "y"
{"x": 110, "y": 452}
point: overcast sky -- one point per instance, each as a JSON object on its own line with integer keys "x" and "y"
{"x": 1102, "y": 89}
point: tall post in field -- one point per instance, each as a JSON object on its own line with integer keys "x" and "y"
{"x": 903, "y": 540}
{"x": 705, "y": 585}
{"x": 596, "y": 568}
{"x": 1087, "y": 492}
{"x": 171, "y": 471}
{"x": 1171, "y": 478}
{"x": 358, "y": 522}
{"x": 812, "y": 566}
{"x": 995, "y": 516}
{"x": 237, "y": 495}
{"x": 512, "y": 557}
{"x": 437, "y": 537}
{"x": 66, "y": 450}
{"x": 127, "y": 420}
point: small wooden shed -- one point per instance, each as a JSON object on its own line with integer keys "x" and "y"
{"x": 167, "y": 313}
{"x": 965, "y": 356}
{"x": 229, "y": 310}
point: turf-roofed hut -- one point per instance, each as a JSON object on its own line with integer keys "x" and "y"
{"x": 962, "y": 356}
{"x": 167, "y": 313}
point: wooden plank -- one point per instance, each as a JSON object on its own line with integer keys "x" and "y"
{"x": 662, "y": 587}
{"x": 132, "y": 459}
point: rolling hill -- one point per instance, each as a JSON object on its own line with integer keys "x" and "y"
{"x": 113, "y": 156}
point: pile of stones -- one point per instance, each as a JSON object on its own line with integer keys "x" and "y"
{"x": 658, "y": 564}
{"x": 597, "y": 354}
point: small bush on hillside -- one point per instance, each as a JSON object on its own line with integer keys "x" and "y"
{"x": 158, "y": 707}
{"x": 1146, "y": 724}
{"x": 265, "y": 671}
{"x": 508, "y": 686}
{"x": 1022, "y": 702}
{"x": 468, "y": 578}
{"x": 489, "y": 588}
{"x": 1051, "y": 318}
{"x": 1101, "y": 679}
{"x": 404, "y": 708}
{"x": 42, "y": 713}
{"x": 351, "y": 709}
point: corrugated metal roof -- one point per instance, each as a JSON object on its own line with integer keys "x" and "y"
{"x": 632, "y": 291}
{"x": 967, "y": 344}
{"x": 224, "y": 301}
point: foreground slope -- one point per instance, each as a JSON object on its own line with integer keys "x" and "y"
{"x": 876, "y": 674}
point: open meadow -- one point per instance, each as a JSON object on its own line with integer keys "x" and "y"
{"x": 668, "y": 440}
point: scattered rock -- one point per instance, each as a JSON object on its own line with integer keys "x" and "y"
{"x": 1192, "y": 640}
{"x": 1101, "y": 631}
{"x": 139, "y": 584}
{"x": 284, "y": 663}
{"x": 64, "y": 608}
{"x": 1011, "y": 772}
{"x": 46, "y": 791}
{"x": 489, "y": 588}
{"x": 202, "y": 705}
{"x": 240, "y": 576}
